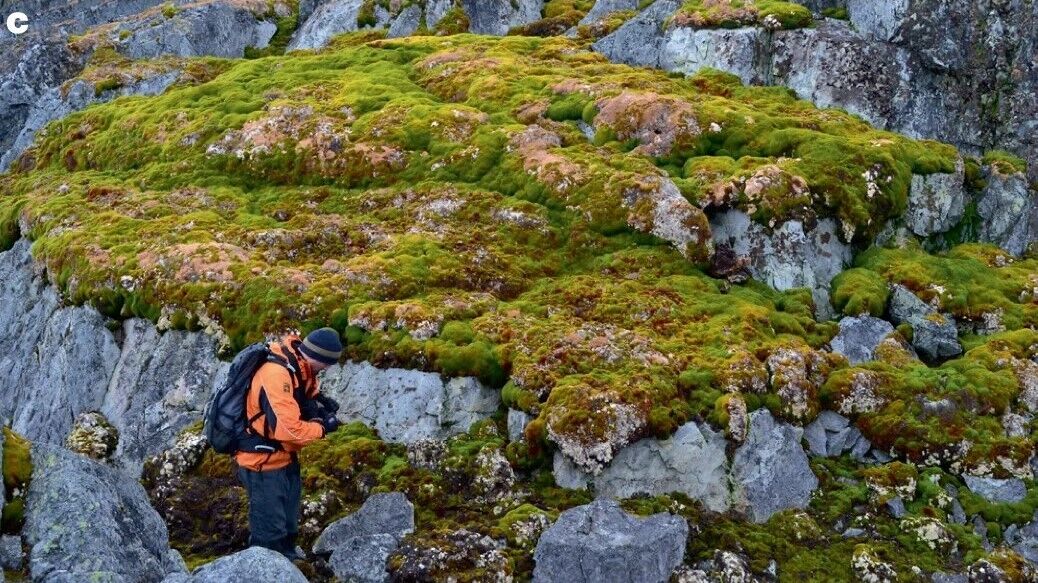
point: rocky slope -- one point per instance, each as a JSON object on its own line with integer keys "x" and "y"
{"x": 808, "y": 342}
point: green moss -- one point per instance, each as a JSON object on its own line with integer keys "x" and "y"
{"x": 860, "y": 291}
{"x": 1005, "y": 162}
{"x": 736, "y": 13}
{"x": 17, "y": 470}
{"x": 839, "y": 13}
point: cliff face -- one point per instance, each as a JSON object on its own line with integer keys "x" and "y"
{"x": 809, "y": 341}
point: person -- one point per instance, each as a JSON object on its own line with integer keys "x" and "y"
{"x": 285, "y": 408}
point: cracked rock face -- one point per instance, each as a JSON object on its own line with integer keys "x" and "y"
{"x": 600, "y": 542}
{"x": 1009, "y": 212}
{"x": 406, "y": 405}
{"x": 859, "y": 337}
{"x": 934, "y": 334}
{"x": 498, "y": 17}
{"x": 360, "y": 543}
{"x": 936, "y": 202}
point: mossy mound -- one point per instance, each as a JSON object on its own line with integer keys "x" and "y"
{"x": 440, "y": 201}
{"x": 772, "y": 14}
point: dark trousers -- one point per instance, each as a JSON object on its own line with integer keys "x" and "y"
{"x": 274, "y": 497}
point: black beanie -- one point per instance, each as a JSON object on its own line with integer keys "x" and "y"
{"x": 322, "y": 345}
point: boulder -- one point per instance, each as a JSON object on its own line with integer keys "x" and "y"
{"x": 407, "y": 22}
{"x": 251, "y": 565}
{"x": 602, "y": 8}
{"x": 788, "y": 256}
{"x": 87, "y": 521}
{"x": 692, "y": 461}
{"x": 770, "y": 471}
{"x": 407, "y": 405}
{"x": 601, "y": 543}
{"x": 934, "y": 335}
{"x": 1025, "y": 540}
{"x": 388, "y": 513}
{"x": 936, "y": 202}
{"x": 996, "y": 490}
{"x": 360, "y": 543}
{"x": 859, "y": 336}
{"x": 831, "y": 434}
{"x": 498, "y": 18}
{"x": 1009, "y": 212}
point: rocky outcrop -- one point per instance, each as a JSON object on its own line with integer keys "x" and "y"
{"x": 498, "y": 17}
{"x": 326, "y": 20}
{"x": 934, "y": 334}
{"x": 603, "y": 7}
{"x": 86, "y": 521}
{"x": 69, "y": 16}
{"x": 252, "y": 564}
{"x": 788, "y": 257}
{"x": 936, "y": 202}
{"x": 406, "y": 405}
{"x": 359, "y": 544}
{"x": 601, "y": 543}
{"x": 1008, "y": 212}
{"x": 219, "y": 28}
{"x": 859, "y": 337}
{"x": 692, "y": 461}
{"x": 903, "y": 65}
{"x": 59, "y": 102}
{"x": 770, "y": 471}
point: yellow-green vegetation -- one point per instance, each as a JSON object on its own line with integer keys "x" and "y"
{"x": 1004, "y": 162}
{"x": 950, "y": 414}
{"x": 559, "y": 16}
{"x": 17, "y": 470}
{"x": 772, "y": 14}
{"x": 437, "y": 201}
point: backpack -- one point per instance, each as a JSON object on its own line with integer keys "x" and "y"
{"x": 225, "y": 425}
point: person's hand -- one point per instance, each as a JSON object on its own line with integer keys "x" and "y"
{"x": 330, "y": 404}
{"x": 310, "y": 410}
{"x": 331, "y": 424}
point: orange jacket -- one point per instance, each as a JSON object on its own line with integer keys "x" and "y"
{"x": 272, "y": 405}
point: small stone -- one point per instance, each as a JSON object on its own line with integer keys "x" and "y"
{"x": 995, "y": 490}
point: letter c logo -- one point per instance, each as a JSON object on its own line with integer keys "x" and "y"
{"x": 17, "y": 23}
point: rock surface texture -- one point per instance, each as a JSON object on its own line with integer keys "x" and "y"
{"x": 358, "y": 545}
{"x": 252, "y": 564}
{"x": 85, "y": 521}
{"x": 602, "y": 543}
{"x": 770, "y": 470}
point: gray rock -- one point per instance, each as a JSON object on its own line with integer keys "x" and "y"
{"x": 362, "y": 559}
{"x": 601, "y": 543}
{"x": 86, "y": 521}
{"x": 55, "y": 362}
{"x": 949, "y": 578}
{"x": 859, "y": 336}
{"x": 602, "y": 8}
{"x": 936, "y": 202}
{"x": 435, "y": 10}
{"x": 390, "y": 514}
{"x": 498, "y": 17}
{"x": 738, "y": 51}
{"x": 517, "y": 421}
{"x": 49, "y": 18}
{"x": 880, "y": 20}
{"x": 1009, "y": 212}
{"x": 220, "y": 29}
{"x": 568, "y": 475}
{"x": 770, "y": 471}
{"x": 787, "y": 257}
{"x": 406, "y": 405}
{"x": 934, "y": 335}
{"x": 12, "y": 558}
{"x": 692, "y": 461}
{"x": 328, "y": 19}
{"x": 853, "y": 533}
{"x": 160, "y": 385}
{"x": 995, "y": 490}
{"x": 958, "y": 514}
{"x": 1027, "y": 540}
{"x": 249, "y": 566}
{"x": 896, "y": 506}
{"x": 640, "y": 40}
{"x": 407, "y": 22}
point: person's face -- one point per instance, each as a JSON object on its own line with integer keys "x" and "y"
{"x": 317, "y": 366}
